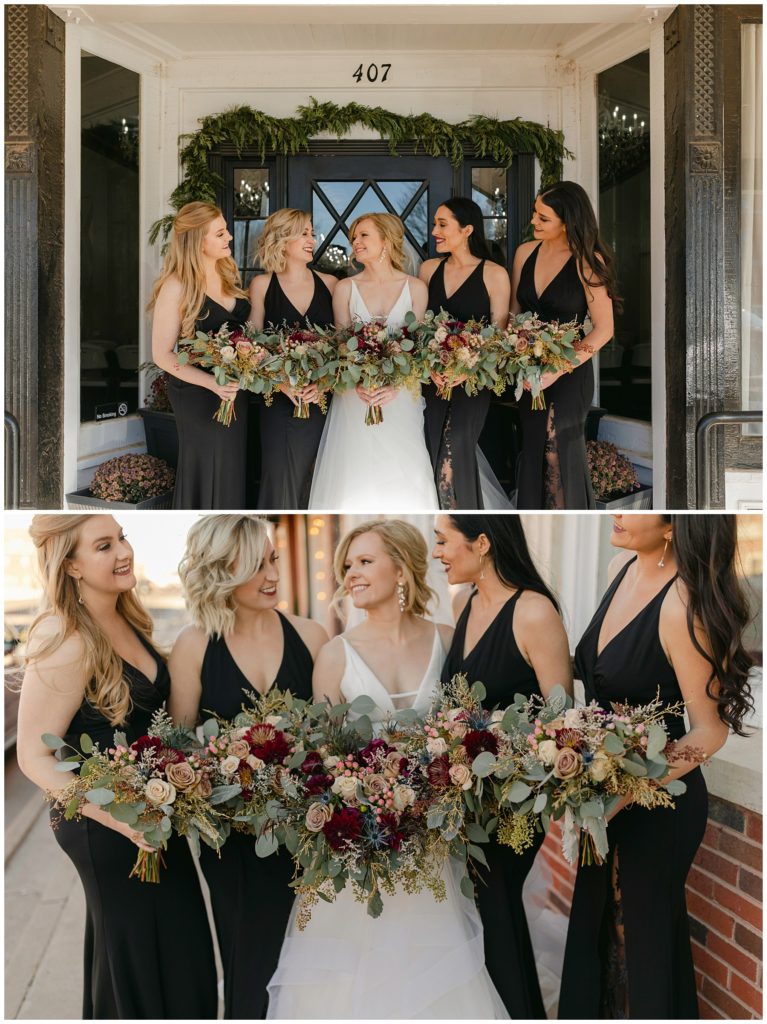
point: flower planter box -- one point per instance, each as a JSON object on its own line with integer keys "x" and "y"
{"x": 161, "y": 435}
{"x": 85, "y": 501}
{"x": 637, "y": 499}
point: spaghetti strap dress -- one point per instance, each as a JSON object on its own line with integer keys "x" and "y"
{"x": 148, "y": 948}
{"x": 651, "y": 975}
{"x": 211, "y": 457}
{"x": 250, "y": 895}
{"x": 553, "y": 471}
{"x": 289, "y": 444}
{"x": 453, "y": 427}
{"x": 496, "y": 662}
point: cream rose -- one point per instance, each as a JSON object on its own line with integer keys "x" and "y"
{"x": 460, "y": 775}
{"x": 254, "y": 762}
{"x": 329, "y": 762}
{"x": 317, "y": 815}
{"x": 599, "y": 768}
{"x": 230, "y": 765}
{"x": 158, "y": 791}
{"x": 403, "y": 797}
{"x": 181, "y": 775}
{"x": 391, "y": 765}
{"x": 239, "y": 749}
{"x": 204, "y": 786}
{"x": 345, "y": 786}
{"x": 547, "y": 751}
{"x": 374, "y": 784}
{"x": 436, "y": 746}
{"x": 458, "y": 729}
{"x": 572, "y": 718}
{"x": 228, "y": 354}
{"x": 567, "y": 764}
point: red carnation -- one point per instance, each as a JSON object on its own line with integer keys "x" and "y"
{"x": 439, "y": 772}
{"x": 344, "y": 827}
{"x": 477, "y": 740}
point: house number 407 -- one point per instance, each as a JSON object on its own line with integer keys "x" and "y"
{"x": 372, "y": 72}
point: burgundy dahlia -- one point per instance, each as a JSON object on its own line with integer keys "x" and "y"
{"x": 312, "y": 763}
{"x": 318, "y": 783}
{"x": 439, "y": 772}
{"x": 392, "y": 836}
{"x": 368, "y": 753}
{"x": 478, "y": 740}
{"x": 344, "y": 827}
{"x": 147, "y": 743}
{"x": 268, "y": 743}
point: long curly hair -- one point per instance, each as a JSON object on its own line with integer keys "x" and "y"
{"x": 56, "y": 538}
{"x": 705, "y": 550}
{"x": 184, "y": 260}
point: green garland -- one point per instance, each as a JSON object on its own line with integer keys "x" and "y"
{"x": 244, "y": 128}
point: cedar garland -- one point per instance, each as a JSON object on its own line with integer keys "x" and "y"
{"x": 246, "y": 128}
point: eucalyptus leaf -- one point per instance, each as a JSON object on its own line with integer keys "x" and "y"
{"x": 478, "y": 691}
{"x": 676, "y": 787}
{"x": 86, "y": 743}
{"x": 540, "y": 803}
{"x": 101, "y": 797}
{"x": 267, "y": 844}
{"x": 210, "y": 728}
{"x": 65, "y": 766}
{"x": 467, "y": 887}
{"x": 518, "y": 791}
{"x": 612, "y": 744}
{"x": 54, "y": 742}
{"x": 125, "y": 812}
{"x": 656, "y": 739}
{"x": 221, "y": 794}
{"x": 477, "y": 853}
{"x": 637, "y": 770}
{"x": 484, "y": 763}
{"x": 476, "y": 833}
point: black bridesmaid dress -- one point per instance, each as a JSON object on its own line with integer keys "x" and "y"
{"x": 211, "y": 457}
{"x": 148, "y": 947}
{"x": 251, "y": 896}
{"x": 655, "y": 848}
{"x": 289, "y": 444}
{"x": 453, "y": 428}
{"x": 559, "y": 429}
{"x": 496, "y": 661}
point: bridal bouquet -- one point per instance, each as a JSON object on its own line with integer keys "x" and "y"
{"x": 375, "y": 356}
{"x": 576, "y": 764}
{"x": 301, "y": 357}
{"x": 151, "y": 784}
{"x": 357, "y": 812}
{"x": 460, "y": 352}
{"x": 532, "y": 348}
{"x": 238, "y": 356}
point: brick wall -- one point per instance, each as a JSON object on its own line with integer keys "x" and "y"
{"x": 724, "y": 900}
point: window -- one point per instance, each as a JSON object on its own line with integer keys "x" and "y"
{"x": 110, "y": 309}
{"x": 490, "y": 192}
{"x": 252, "y": 205}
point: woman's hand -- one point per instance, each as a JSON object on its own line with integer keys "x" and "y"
{"x": 624, "y": 802}
{"x": 227, "y": 392}
{"x": 101, "y": 816}
{"x": 443, "y": 381}
{"x": 376, "y": 396}
{"x": 309, "y": 394}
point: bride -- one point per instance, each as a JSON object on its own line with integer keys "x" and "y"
{"x": 420, "y": 958}
{"x": 386, "y": 466}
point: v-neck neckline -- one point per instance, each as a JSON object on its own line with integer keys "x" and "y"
{"x": 221, "y": 305}
{"x": 461, "y": 285}
{"x": 152, "y": 654}
{"x": 393, "y": 696}
{"x": 290, "y": 301}
{"x": 634, "y": 618}
{"x": 252, "y": 686}
{"x": 379, "y": 316}
{"x": 465, "y": 657}
{"x": 539, "y": 295}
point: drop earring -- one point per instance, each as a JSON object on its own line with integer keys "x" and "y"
{"x": 401, "y": 596}
{"x": 382, "y": 257}
{"x": 79, "y": 591}
{"x": 481, "y": 568}
{"x": 663, "y": 556}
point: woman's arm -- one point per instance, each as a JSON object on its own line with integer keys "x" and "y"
{"x": 329, "y": 671}
{"x": 498, "y": 286}
{"x": 542, "y": 641}
{"x": 341, "y": 297}
{"x": 185, "y": 666}
{"x": 520, "y": 256}
{"x": 312, "y": 633}
{"x": 257, "y": 296}
{"x": 166, "y": 330}
{"x": 419, "y": 293}
{"x": 329, "y": 280}
{"x": 425, "y": 272}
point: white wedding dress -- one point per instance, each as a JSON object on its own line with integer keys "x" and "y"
{"x": 385, "y": 467}
{"x": 419, "y": 960}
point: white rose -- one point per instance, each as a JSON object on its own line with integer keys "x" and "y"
{"x": 158, "y": 791}
{"x": 440, "y": 334}
{"x": 538, "y": 349}
{"x": 599, "y": 768}
{"x": 230, "y": 765}
{"x": 228, "y": 354}
{"x": 403, "y": 797}
{"x": 254, "y": 762}
{"x": 573, "y": 718}
{"x": 436, "y": 746}
{"x": 547, "y": 751}
{"x": 273, "y": 720}
{"x": 345, "y": 786}
{"x": 330, "y": 762}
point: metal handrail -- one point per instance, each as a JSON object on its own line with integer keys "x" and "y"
{"x": 703, "y": 480}
{"x": 12, "y": 465}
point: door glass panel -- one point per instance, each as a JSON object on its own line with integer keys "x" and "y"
{"x": 418, "y": 222}
{"x": 624, "y": 221}
{"x": 340, "y": 193}
{"x": 251, "y": 208}
{"x": 246, "y": 235}
{"x": 334, "y": 257}
{"x": 321, "y": 220}
{"x": 399, "y": 193}
{"x": 488, "y": 190}
{"x": 369, "y": 203}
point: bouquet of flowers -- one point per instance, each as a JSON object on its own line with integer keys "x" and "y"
{"x": 376, "y": 356}
{"x": 455, "y": 350}
{"x": 357, "y": 813}
{"x": 576, "y": 764}
{"x": 151, "y": 784}
{"x": 533, "y": 348}
{"x": 238, "y": 356}
{"x": 300, "y": 357}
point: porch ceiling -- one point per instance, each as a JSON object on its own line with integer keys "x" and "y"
{"x": 190, "y": 30}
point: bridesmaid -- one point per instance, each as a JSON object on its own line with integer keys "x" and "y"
{"x": 92, "y": 669}
{"x": 510, "y": 636}
{"x": 199, "y": 289}
{"x": 277, "y": 297}
{"x": 469, "y": 286}
{"x": 564, "y": 274}
{"x": 239, "y": 641}
{"x": 672, "y": 618}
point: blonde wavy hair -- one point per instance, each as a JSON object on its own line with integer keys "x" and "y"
{"x": 406, "y": 547}
{"x": 222, "y": 552}
{"x": 282, "y": 227}
{"x": 184, "y": 260}
{"x": 391, "y": 230}
{"x": 56, "y": 538}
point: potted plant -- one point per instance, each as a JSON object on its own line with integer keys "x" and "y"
{"x": 159, "y": 419}
{"x": 614, "y": 479}
{"x": 129, "y": 481}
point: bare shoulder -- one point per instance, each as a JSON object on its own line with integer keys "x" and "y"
{"x": 258, "y": 285}
{"x": 523, "y": 250}
{"x": 62, "y": 669}
{"x": 536, "y": 611}
{"x": 190, "y": 642}
{"x": 427, "y": 268}
{"x": 331, "y": 657}
{"x": 328, "y": 280}
{"x": 616, "y": 564}
{"x": 343, "y": 287}
{"x": 494, "y": 273}
{"x": 417, "y": 287}
{"x": 312, "y": 633}
{"x": 172, "y": 289}
{"x": 673, "y": 611}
